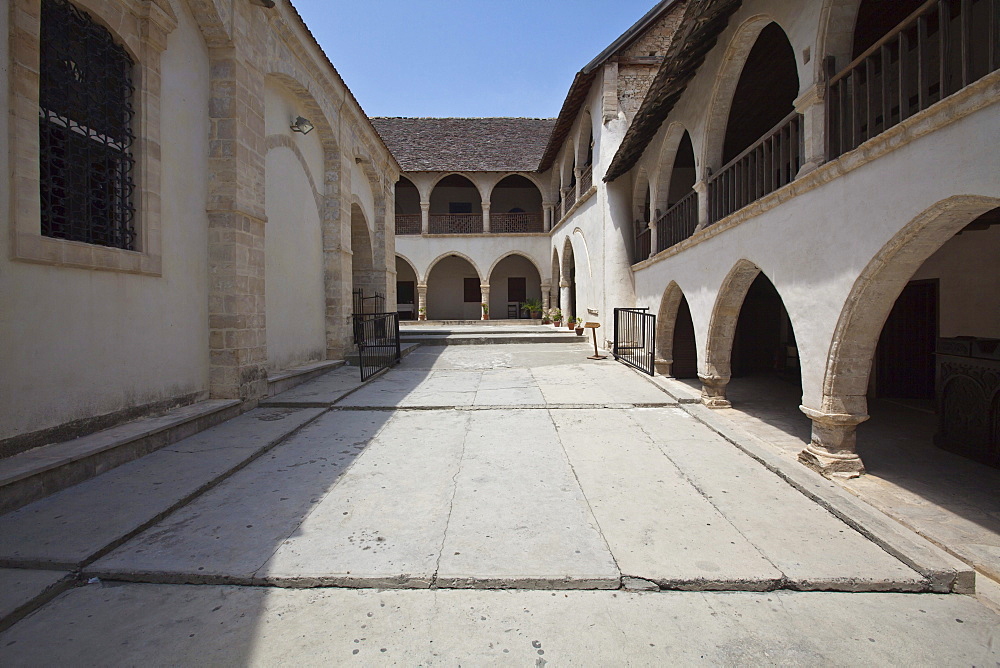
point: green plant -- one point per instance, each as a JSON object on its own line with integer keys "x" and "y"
{"x": 422, "y": 310}
{"x": 555, "y": 314}
{"x": 532, "y": 306}
{"x": 486, "y": 308}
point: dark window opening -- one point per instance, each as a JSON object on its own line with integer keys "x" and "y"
{"x": 473, "y": 294}
{"x": 517, "y": 289}
{"x": 85, "y": 130}
{"x": 404, "y": 292}
{"x": 459, "y": 207}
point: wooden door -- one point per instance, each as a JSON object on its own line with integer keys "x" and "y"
{"x": 904, "y": 359}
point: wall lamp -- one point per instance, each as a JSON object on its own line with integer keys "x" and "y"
{"x": 301, "y": 125}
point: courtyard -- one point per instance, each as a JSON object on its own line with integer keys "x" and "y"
{"x": 478, "y": 504}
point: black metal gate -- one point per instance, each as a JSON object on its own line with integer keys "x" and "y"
{"x": 371, "y": 304}
{"x": 377, "y": 338}
{"x": 635, "y": 338}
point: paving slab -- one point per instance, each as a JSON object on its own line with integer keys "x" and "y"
{"x": 598, "y": 382}
{"x": 384, "y": 524}
{"x": 74, "y": 525}
{"x": 519, "y": 518}
{"x": 21, "y": 589}
{"x": 228, "y": 533}
{"x": 141, "y": 624}
{"x": 811, "y": 547}
{"x": 324, "y": 390}
{"x": 660, "y": 528}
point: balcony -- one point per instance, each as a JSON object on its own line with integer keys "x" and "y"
{"x": 516, "y": 223}
{"x": 586, "y": 178}
{"x": 642, "y": 246}
{"x": 678, "y": 223}
{"x": 766, "y": 165}
{"x": 407, "y": 223}
{"x": 942, "y": 47}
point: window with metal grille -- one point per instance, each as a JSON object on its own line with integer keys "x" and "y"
{"x": 85, "y": 130}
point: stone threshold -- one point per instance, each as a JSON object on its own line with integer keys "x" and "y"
{"x": 286, "y": 379}
{"x": 470, "y": 339}
{"x": 34, "y": 474}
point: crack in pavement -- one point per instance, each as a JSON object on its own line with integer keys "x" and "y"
{"x": 451, "y": 507}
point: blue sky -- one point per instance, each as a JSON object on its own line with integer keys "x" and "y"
{"x": 465, "y": 58}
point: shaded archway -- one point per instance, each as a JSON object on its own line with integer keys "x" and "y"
{"x": 876, "y": 292}
{"x": 513, "y": 280}
{"x": 454, "y": 289}
{"x": 567, "y": 281}
{"x": 363, "y": 274}
{"x": 676, "y": 350}
{"x": 406, "y": 289}
{"x": 407, "y": 207}
{"x": 677, "y": 202}
{"x": 515, "y": 206}
{"x": 642, "y": 214}
{"x": 556, "y": 278}
{"x": 455, "y": 206}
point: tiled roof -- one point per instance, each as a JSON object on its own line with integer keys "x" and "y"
{"x": 466, "y": 144}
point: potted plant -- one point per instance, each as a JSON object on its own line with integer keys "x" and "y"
{"x": 556, "y": 316}
{"x": 546, "y": 316}
{"x": 486, "y": 311}
{"x": 422, "y": 313}
{"x": 579, "y": 327}
{"x": 571, "y": 322}
{"x": 533, "y": 308}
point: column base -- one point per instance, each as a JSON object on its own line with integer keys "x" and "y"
{"x": 832, "y": 451}
{"x": 663, "y": 367}
{"x": 713, "y": 391}
{"x": 832, "y": 465}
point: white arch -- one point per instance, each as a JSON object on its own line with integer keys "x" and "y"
{"x": 423, "y": 279}
{"x": 533, "y": 261}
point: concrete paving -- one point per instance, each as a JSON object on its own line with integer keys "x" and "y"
{"x": 156, "y": 625}
{"x": 465, "y": 471}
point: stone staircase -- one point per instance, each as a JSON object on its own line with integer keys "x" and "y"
{"x": 484, "y": 332}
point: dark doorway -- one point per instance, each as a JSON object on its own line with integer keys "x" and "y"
{"x": 404, "y": 292}
{"x": 472, "y": 290}
{"x": 517, "y": 289}
{"x": 904, "y": 359}
{"x": 685, "y": 352}
{"x": 764, "y": 342}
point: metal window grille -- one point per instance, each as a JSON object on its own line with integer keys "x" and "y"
{"x": 635, "y": 338}
{"x": 85, "y": 130}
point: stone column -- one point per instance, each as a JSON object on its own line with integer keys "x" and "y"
{"x": 578, "y": 173}
{"x": 484, "y": 293}
{"x": 421, "y": 299}
{"x": 713, "y": 391}
{"x": 486, "y": 217}
{"x": 653, "y": 232}
{"x": 564, "y": 298}
{"x": 548, "y": 209}
{"x": 236, "y": 221}
{"x": 703, "y": 210}
{"x": 812, "y": 106}
{"x": 425, "y": 217}
{"x": 546, "y": 289}
{"x": 832, "y": 449}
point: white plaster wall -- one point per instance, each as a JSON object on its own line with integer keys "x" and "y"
{"x": 79, "y": 343}
{"x": 294, "y": 295}
{"x": 361, "y": 188}
{"x": 813, "y": 247}
{"x": 968, "y": 270}
{"x": 280, "y": 109}
{"x": 446, "y": 293}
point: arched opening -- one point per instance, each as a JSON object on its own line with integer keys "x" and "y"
{"x": 554, "y": 283}
{"x": 586, "y": 153}
{"x": 567, "y": 283}
{"x": 364, "y": 278}
{"x": 761, "y": 148}
{"x": 407, "y": 207}
{"x": 456, "y": 207}
{"x": 454, "y": 290}
{"x": 643, "y": 234}
{"x": 515, "y": 206}
{"x": 677, "y": 352}
{"x": 876, "y": 18}
{"x": 406, "y": 289}
{"x": 680, "y": 218}
{"x": 514, "y": 280}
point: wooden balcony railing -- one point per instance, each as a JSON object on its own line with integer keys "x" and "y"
{"x": 678, "y": 223}
{"x": 407, "y": 223}
{"x": 515, "y": 223}
{"x": 570, "y": 199}
{"x": 768, "y": 164}
{"x": 940, "y": 48}
{"x": 456, "y": 223}
{"x": 586, "y": 178}
{"x": 642, "y": 246}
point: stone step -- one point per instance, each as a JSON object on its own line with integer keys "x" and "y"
{"x": 41, "y": 471}
{"x": 504, "y": 322}
{"x": 487, "y": 338}
{"x": 286, "y": 379}
{"x": 405, "y": 348}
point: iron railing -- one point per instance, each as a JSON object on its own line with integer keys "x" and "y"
{"x": 678, "y": 223}
{"x": 940, "y": 48}
{"x": 643, "y": 245}
{"x": 456, "y": 223}
{"x": 407, "y": 223}
{"x": 766, "y": 165}
{"x": 586, "y": 178}
{"x": 635, "y": 338}
{"x": 377, "y": 338}
{"x": 371, "y": 304}
{"x": 515, "y": 223}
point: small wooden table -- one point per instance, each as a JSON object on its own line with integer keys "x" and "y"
{"x": 592, "y": 326}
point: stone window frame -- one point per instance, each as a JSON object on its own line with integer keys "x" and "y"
{"x": 142, "y": 27}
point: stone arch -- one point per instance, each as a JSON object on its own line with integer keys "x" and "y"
{"x": 567, "y": 259}
{"x": 642, "y": 202}
{"x": 836, "y": 34}
{"x": 283, "y": 74}
{"x": 726, "y": 81}
{"x": 523, "y": 254}
{"x": 716, "y": 368}
{"x": 413, "y": 266}
{"x": 555, "y": 277}
{"x": 665, "y": 164}
{"x": 852, "y": 349}
{"x": 272, "y": 142}
{"x": 513, "y": 264}
{"x": 584, "y": 141}
{"x": 666, "y": 320}
{"x": 362, "y": 252}
{"x": 430, "y": 267}
{"x": 516, "y": 197}
{"x": 478, "y": 187}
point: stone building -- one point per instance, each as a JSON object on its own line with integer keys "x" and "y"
{"x": 800, "y": 190}
{"x": 192, "y": 195}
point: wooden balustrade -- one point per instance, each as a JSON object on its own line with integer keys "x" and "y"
{"x": 766, "y": 165}
{"x": 940, "y": 48}
{"x": 516, "y": 223}
{"x": 570, "y": 199}
{"x": 456, "y": 223}
{"x": 407, "y": 223}
{"x": 586, "y": 178}
{"x": 642, "y": 246}
{"x": 678, "y": 223}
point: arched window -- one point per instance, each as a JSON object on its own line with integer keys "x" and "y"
{"x": 85, "y": 130}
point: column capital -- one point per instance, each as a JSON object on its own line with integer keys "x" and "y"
{"x": 425, "y": 206}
